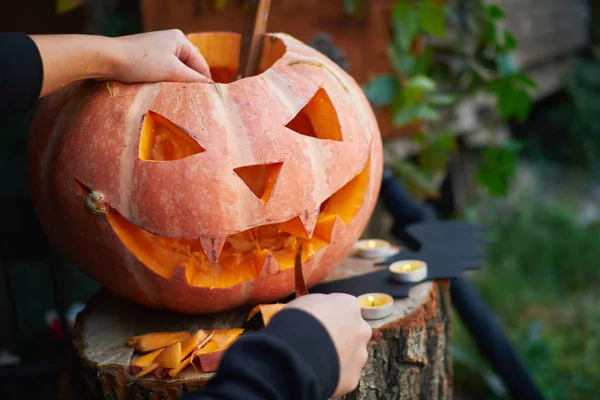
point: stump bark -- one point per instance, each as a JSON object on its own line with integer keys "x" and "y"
{"x": 409, "y": 353}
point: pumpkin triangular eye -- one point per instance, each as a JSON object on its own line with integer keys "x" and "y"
{"x": 162, "y": 140}
{"x": 260, "y": 178}
{"x": 317, "y": 119}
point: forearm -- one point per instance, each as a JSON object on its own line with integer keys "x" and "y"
{"x": 36, "y": 65}
{"x": 69, "y": 58}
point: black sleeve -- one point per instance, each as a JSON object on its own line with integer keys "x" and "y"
{"x": 21, "y": 72}
{"x": 293, "y": 358}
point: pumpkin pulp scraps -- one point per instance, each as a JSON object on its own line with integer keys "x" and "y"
{"x": 169, "y": 353}
{"x": 204, "y": 348}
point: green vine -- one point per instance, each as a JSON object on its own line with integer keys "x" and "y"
{"x": 431, "y": 76}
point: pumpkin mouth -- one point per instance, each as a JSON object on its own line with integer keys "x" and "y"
{"x": 245, "y": 255}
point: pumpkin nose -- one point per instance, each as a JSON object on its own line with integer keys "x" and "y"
{"x": 260, "y": 178}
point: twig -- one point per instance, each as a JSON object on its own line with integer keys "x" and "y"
{"x": 255, "y": 27}
{"x": 300, "y": 284}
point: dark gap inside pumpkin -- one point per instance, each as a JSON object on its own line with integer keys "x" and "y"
{"x": 162, "y": 140}
{"x": 317, "y": 119}
{"x": 260, "y": 179}
{"x": 221, "y": 51}
{"x": 83, "y": 190}
{"x": 244, "y": 254}
{"x": 222, "y": 74}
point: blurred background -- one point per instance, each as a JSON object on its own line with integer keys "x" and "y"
{"x": 490, "y": 112}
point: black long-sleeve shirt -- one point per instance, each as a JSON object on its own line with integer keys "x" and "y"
{"x": 293, "y": 358}
{"x": 21, "y": 73}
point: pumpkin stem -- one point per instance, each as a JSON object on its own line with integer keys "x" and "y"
{"x": 93, "y": 204}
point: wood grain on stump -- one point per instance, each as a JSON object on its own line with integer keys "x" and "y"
{"x": 409, "y": 354}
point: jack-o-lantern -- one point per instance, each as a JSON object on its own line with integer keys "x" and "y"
{"x": 195, "y": 197}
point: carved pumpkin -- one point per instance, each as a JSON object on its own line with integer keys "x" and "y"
{"x": 195, "y": 197}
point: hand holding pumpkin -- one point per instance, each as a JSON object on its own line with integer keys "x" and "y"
{"x": 340, "y": 315}
{"x": 146, "y": 57}
{"x": 159, "y": 56}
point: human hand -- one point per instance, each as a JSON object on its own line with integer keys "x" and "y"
{"x": 159, "y": 56}
{"x": 340, "y": 315}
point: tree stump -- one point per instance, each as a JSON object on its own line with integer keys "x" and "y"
{"x": 409, "y": 354}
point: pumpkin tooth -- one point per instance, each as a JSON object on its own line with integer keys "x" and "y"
{"x": 309, "y": 220}
{"x": 266, "y": 264}
{"x": 329, "y": 227}
{"x": 213, "y": 245}
{"x": 180, "y": 274}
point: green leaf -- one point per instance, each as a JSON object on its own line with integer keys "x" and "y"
{"x": 382, "y": 90}
{"x": 506, "y": 65}
{"x": 495, "y": 12}
{"x": 441, "y": 99}
{"x": 423, "y": 62}
{"x": 406, "y": 24}
{"x": 403, "y": 63}
{"x": 420, "y": 182}
{"x": 436, "y": 155}
{"x": 416, "y": 88}
{"x": 421, "y": 82}
{"x": 489, "y": 33}
{"x": 404, "y": 115}
{"x": 498, "y": 167}
{"x": 427, "y": 113}
{"x": 513, "y": 101}
{"x": 432, "y": 17}
{"x": 526, "y": 79}
{"x": 64, "y": 6}
{"x": 522, "y": 104}
{"x": 220, "y": 4}
{"x": 510, "y": 42}
{"x": 350, "y": 6}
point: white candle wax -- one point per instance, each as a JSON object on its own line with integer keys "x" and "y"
{"x": 408, "y": 271}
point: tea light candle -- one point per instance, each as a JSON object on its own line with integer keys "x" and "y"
{"x": 376, "y": 305}
{"x": 408, "y": 271}
{"x": 372, "y": 248}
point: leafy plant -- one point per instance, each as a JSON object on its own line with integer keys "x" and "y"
{"x": 541, "y": 280}
{"x": 429, "y": 78}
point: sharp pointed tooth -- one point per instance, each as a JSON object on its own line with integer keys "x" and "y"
{"x": 213, "y": 245}
{"x": 329, "y": 228}
{"x": 180, "y": 274}
{"x": 266, "y": 264}
{"x": 309, "y": 220}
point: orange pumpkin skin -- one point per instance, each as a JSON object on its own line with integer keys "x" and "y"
{"x": 169, "y": 222}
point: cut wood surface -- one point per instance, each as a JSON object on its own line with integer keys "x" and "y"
{"x": 409, "y": 354}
